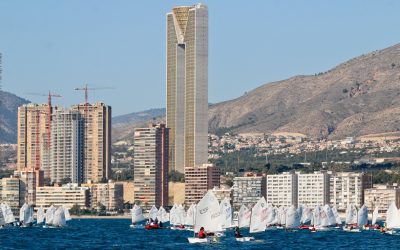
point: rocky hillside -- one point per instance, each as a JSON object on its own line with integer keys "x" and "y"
{"x": 358, "y": 97}
{"x": 9, "y": 104}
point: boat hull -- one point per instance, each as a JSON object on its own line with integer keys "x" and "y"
{"x": 243, "y": 239}
{"x": 193, "y": 240}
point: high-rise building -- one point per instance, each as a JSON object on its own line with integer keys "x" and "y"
{"x": 97, "y": 141}
{"x": 151, "y": 165}
{"x": 347, "y": 188}
{"x": 247, "y": 190}
{"x": 108, "y": 194}
{"x": 12, "y": 192}
{"x": 33, "y": 150}
{"x": 67, "y": 146}
{"x": 313, "y": 189}
{"x": 282, "y": 189}
{"x": 187, "y": 86}
{"x": 381, "y": 196}
{"x": 198, "y": 180}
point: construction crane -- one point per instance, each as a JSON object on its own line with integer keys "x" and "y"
{"x": 86, "y": 89}
{"x": 49, "y": 96}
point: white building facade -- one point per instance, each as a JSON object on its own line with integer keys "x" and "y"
{"x": 282, "y": 189}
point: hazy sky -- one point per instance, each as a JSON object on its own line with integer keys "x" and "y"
{"x": 60, "y": 45}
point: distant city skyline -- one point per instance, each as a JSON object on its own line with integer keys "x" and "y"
{"x": 61, "y": 45}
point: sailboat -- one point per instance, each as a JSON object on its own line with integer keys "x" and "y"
{"x": 152, "y": 217}
{"x": 392, "y": 219}
{"x": 67, "y": 214}
{"x": 50, "y": 216}
{"x": 375, "y": 216}
{"x": 282, "y": 217}
{"x": 189, "y": 219}
{"x": 207, "y": 216}
{"x": 40, "y": 216}
{"x": 8, "y": 214}
{"x": 292, "y": 218}
{"x": 226, "y": 212}
{"x": 306, "y": 217}
{"x": 351, "y": 219}
{"x": 59, "y": 217}
{"x": 137, "y": 215}
{"x": 337, "y": 217}
{"x": 259, "y": 216}
{"x": 162, "y": 215}
{"x": 26, "y": 215}
{"x": 244, "y": 217}
{"x": 363, "y": 217}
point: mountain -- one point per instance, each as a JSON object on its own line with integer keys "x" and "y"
{"x": 123, "y": 125}
{"x": 9, "y": 104}
{"x": 358, "y": 97}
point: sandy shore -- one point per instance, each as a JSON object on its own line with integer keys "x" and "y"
{"x": 127, "y": 216}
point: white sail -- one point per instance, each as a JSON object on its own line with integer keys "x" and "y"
{"x": 172, "y": 216}
{"x": 153, "y": 213}
{"x": 392, "y": 216}
{"x": 189, "y": 219}
{"x": 59, "y": 217}
{"x": 244, "y": 216}
{"x": 271, "y": 215}
{"x": 375, "y": 215}
{"x": 336, "y": 214}
{"x": 306, "y": 216}
{"x": 324, "y": 220}
{"x": 162, "y": 215}
{"x": 292, "y": 217}
{"x": 66, "y": 213}
{"x": 181, "y": 214}
{"x": 363, "y": 216}
{"x": 282, "y": 215}
{"x": 226, "y": 213}
{"x": 351, "y": 215}
{"x": 316, "y": 220}
{"x": 208, "y": 214}
{"x": 40, "y": 215}
{"x": 28, "y": 215}
{"x": 8, "y": 214}
{"x": 137, "y": 214}
{"x": 259, "y": 216}
{"x": 50, "y": 215}
{"x": 277, "y": 219}
{"x": 329, "y": 213}
{"x": 22, "y": 212}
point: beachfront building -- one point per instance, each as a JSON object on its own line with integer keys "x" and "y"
{"x": 198, "y": 180}
{"x": 347, "y": 188}
{"x": 282, "y": 189}
{"x": 382, "y": 196}
{"x": 313, "y": 189}
{"x": 247, "y": 190}
{"x": 67, "y": 195}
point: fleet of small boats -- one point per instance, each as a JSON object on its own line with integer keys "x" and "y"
{"x": 215, "y": 218}
{"x": 53, "y": 217}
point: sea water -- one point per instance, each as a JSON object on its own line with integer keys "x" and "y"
{"x": 116, "y": 234}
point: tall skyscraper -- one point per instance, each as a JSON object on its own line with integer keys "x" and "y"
{"x": 33, "y": 145}
{"x": 151, "y": 165}
{"x": 187, "y": 86}
{"x": 67, "y": 146}
{"x": 97, "y": 141}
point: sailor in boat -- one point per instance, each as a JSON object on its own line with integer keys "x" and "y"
{"x": 181, "y": 226}
{"x": 160, "y": 225}
{"x": 202, "y": 234}
{"x": 376, "y": 227}
{"x": 237, "y": 233}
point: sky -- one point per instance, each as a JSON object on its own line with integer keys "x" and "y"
{"x": 120, "y": 44}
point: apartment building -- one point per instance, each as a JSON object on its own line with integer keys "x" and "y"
{"x": 381, "y": 196}
{"x": 67, "y": 195}
{"x": 198, "y": 180}
{"x": 247, "y": 190}
{"x": 313, "y": 189}
{"x": 282, "y": 189}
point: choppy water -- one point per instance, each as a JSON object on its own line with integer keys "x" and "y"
{"x": 116, "y": 234}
